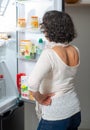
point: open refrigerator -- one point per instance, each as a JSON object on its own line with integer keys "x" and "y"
{"x": 18, "y": 56}
{"x": 30, "y": 40}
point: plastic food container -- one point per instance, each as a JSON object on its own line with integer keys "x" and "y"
{"x": 21, "y": 22}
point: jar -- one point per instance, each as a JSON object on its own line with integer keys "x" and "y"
{"x": 71, "y": 1}
{"x": 25, "y": 48}
{"x": 34, "y": 22}
{"x": 21, "y": 22}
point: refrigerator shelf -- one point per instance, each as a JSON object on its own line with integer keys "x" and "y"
{"x": 27, "y": 100}
{"x": 33, "y": 1}
{"x": 26, "y": 59}
{"x": 29, "y": 30}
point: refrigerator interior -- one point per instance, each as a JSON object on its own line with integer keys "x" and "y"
{"x": 8, "y": 68}
{"x": 25, "y": 10}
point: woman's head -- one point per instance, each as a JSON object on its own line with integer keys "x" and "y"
{"x": 58, "y": 27}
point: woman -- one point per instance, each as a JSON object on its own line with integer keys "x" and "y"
{"x": 52, "y": 81}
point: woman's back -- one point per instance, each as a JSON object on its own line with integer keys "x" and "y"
{"x": 64, "y": 61}
{"x": 68, "y": 54}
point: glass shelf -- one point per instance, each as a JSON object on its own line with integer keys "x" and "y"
{"x": 26, "y": 1}
{"x": 22, "y": 1}
{"x": 29, "y": 30}
{"x": 26, "y": 59}
{"x": 27, "y": 100}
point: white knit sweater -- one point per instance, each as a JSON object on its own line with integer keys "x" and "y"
{"x": 51, "y": 74}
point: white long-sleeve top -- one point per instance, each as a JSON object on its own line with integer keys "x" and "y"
{"x": 51, "y": 74}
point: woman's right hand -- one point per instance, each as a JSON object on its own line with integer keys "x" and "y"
{"x": 43, "y": 99}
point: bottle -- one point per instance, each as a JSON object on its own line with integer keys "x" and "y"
{"x": 18, "y": 80}
{"x": 34, "y": 22}
{"x": 40, "y": 46}
{"x": 33, "y": 52}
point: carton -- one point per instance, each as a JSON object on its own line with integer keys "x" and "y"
{"x": 25, "y": 93}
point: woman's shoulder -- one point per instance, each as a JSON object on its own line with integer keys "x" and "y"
{"x": 76, "y": 48}
{"x": 47, "y": 51}
{"x": 48, "y": 54}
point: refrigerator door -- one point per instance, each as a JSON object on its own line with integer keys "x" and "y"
{"x": 8, "y": 71}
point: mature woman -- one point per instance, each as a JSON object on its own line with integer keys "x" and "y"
{"x": 52, "y": 81}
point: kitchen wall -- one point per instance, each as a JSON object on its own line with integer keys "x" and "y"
{"x": 81, "y": 17}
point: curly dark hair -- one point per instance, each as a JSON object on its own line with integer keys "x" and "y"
{"x": 58, "y": 27}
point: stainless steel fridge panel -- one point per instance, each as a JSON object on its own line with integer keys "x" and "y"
{"x": 8, "y": 68}
{"x": 7, "y": 103}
